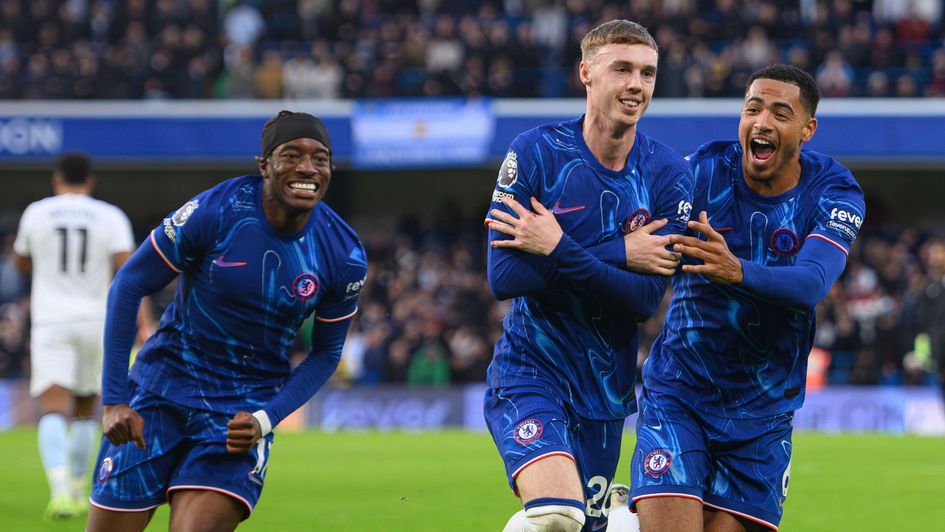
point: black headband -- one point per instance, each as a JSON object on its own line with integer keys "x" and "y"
{"x": 293, "y": 126}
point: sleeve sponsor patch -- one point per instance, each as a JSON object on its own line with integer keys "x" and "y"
{"x": 183, "y": 214}
{"x": 844, "y": 221}
{"x": 498, "y": 196}
{"x": 353, "y": 290}
{"x": 508, "y": 172}
{"x": 169, "y": 231}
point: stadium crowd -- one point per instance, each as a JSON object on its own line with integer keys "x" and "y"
{"x": 428, "y": 319}
{"x": 107, "y": 49}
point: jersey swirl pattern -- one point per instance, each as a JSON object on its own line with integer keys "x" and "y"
{"x": 585, "y": 348}
{"x": 243, "y": 292}
{"x": 738, "y": 355}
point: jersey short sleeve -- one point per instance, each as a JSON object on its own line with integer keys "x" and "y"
{"x": 184, "y": 234}
{"x": 342, "y": 300}
{"x": 21, "y": 245}
{"x": 839, "y": 214}
{"x": 122, "y": 240}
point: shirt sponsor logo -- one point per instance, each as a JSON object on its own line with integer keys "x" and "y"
{"x": 508, "y": 172}
{"x": 657, "y": 462}
{"x": 784, "y": 242}
{"x": 183, "y": 214}
{"x": 683, "y": 211}
{"x": 528, "y": 431}
{"x": 305, "y": 286}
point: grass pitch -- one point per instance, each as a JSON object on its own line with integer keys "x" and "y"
{"x": 453, "y": 481}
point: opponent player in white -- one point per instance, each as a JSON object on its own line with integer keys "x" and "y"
{"x": 73, "y": 244}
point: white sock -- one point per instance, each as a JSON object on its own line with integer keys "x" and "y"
{"x": 52, "y": 452}
{"x": 83, "y": 434}
{"x": 516, "y": 522}
{"x": 621, "y": 519}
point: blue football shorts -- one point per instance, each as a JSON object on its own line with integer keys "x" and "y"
{"x": 740, "y": 466}
{"x": 186, "y": 449}
{"x": 530, "y": 423}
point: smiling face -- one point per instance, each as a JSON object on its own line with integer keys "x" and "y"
{"x": 619, "y": 79}
{"x": 774, "y": 124}
{"x": 296, "y": 176}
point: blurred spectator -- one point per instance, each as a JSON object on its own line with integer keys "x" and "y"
{"x": 936, "y": 85}
{"x": 931, "y": 306}
{"x": 835, "y": 76}
{"x": 906, "y": 86}
{"x": 12, "y": 282}
{"x": 243, "y": 24}
{"x": 267, "y": 79}
{"x": 429, "y": 365}
{"x": 512, "y": 48}
{"x": 14, "y": 338}
{"x": 877, "y": 85}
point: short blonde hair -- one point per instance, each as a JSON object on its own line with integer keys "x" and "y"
{"x": 615, "y": 32}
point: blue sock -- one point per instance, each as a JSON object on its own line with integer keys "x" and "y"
{"x": 83, "y": 435}
{"x": 52, "y": 451}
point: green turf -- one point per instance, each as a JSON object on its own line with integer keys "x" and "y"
{"x": 453, "y": 481}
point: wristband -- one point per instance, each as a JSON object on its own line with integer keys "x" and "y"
{"x": 265, "y": 426}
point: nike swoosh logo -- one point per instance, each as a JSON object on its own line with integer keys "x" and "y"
{"x": 558, "y": 209}
{"x": 220, "y": 263}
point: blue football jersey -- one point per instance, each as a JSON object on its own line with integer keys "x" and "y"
{"x": 244, "y": 290}
{"x": 563, "y": 337}
{"x": 731, "y": 353}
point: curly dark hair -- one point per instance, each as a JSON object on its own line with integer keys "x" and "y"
{"x": 810, "y": 93}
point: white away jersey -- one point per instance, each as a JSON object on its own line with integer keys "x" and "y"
{"x": 71, "y": 239}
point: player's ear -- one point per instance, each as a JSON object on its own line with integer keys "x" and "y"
{"x": 808, "y": 132}
{"x": 584, "y": 73}
{"x": 56, "y": 181}
{"x": 263, "y": 164}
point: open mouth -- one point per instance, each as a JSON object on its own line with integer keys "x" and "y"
{"x": 631, "y": 105}
{"x": 761, "y": 149}
{"x": 306, "y": 189}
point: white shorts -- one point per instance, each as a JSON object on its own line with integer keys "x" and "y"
{"x": 68, "y": 354}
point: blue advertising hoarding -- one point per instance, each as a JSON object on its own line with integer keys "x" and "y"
{"x": 397, "y": 134}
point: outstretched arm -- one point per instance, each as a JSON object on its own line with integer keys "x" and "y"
{"x": 799, "y": 287}
{"x": 538, "y": 233}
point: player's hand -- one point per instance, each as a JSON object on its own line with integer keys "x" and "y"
{"x": 647, "y": 253}
{"x": 536, "y": 232}
{"x": 242, "y": 432}
{"x": 121, "y": 424}
{"x": 719, "y": 264}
